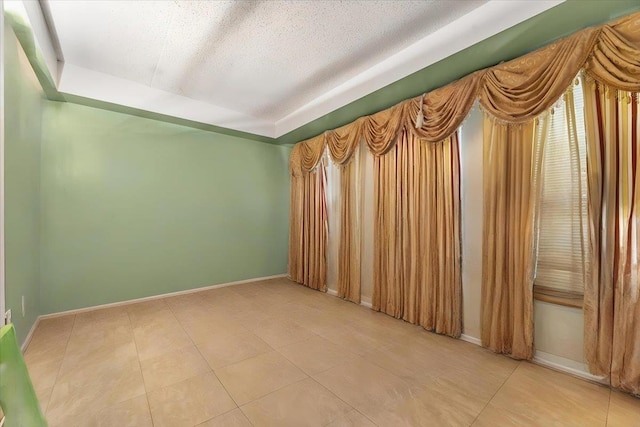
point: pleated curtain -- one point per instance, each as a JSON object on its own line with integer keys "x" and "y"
{"x": 612, "y": 296}
{"x": 513, "y": 94}
{"x": 511, "y": 164}
{"x": 308, "y": 223}
{"x": 417, "y": 233}
{"x": 350, "y": 237}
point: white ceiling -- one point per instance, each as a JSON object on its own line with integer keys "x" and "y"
{"x": 265, "y": 67}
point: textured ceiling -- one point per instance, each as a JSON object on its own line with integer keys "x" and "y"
{"x": 264, "y": 59}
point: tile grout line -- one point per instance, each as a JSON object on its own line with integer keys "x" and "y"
{"x": 225, "y": 413}
{"x": 144, "y": 383}
{"x": 61, "y": 362}
{"x": 494, "y": 394}
{"x": 606, "y": 420}
{"x": 273, "y": 391}
{"x": 342, "y": 400}
{"x": 278, "y": 389}
{"x": 203, "y": 358}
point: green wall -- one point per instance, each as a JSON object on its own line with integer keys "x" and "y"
{"x": 133, "y": 207}
{"x": 23, "y": 110}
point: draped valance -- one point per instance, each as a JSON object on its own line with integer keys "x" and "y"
{"x": 515, "y": 92}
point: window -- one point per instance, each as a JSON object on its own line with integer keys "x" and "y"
{"x": 562, "y": 263}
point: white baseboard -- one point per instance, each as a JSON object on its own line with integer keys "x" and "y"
{"x": 551, "y": 361}
{"x": 366, "y": 302}
{"x": 155, "y": 297}
{"x": 472, "y": 340}
{"x": 567, "y": 366}
{"x": 27, "y": 340}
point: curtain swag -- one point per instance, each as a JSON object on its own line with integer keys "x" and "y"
{"x": 515, "y": 91}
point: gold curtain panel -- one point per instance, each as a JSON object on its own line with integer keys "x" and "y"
{"x": 511, "y": 194}
{"x": 516, "y": 91}
{"x": 611, "y": 303}
{"x": 416, "y": 269}
{"x": 308, "y": 230}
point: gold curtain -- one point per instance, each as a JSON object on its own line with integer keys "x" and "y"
{"x": 350, "y": 225}
{"x": 612, "y": 296}
{"x": 307, "y": 224}
{"x": 519, "y": 90}
{"x": 342, "y": 143}
{"x": 417, "y": 233}
{"x": 615, "y": 59}
{"x": 516, "y": 91}
{"x": 442, "y": 110}
{"x": 309, "y": 153}
{"x": 511, "y": 196}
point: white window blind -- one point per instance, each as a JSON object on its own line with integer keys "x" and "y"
{"x": 563, "y": 229}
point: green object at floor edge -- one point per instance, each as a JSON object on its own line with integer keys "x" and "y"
{"x": 18, "y": 398}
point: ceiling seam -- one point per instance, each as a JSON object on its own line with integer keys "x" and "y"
{"x": 164, "y": 47}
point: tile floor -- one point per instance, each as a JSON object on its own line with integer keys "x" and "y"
{"x": 276, "y": 353}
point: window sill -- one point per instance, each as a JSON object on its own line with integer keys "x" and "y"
{"x": 553, "y": 296}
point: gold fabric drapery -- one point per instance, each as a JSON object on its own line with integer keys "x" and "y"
{"x": 342, "y": 145}
{"x": 511, "y": 196}
{"x": 516, "y": 91}
{"x": 308, "y": 223}
{"x": 349, "y": 246}
{"x": 417, "y": 233}
{"x": 612, "y": 296}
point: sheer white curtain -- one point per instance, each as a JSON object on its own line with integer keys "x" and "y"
{"x": 333, "y": 214}
{"x": 361, "y": 219}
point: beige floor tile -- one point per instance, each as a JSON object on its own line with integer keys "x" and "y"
{"x": 418, "y": 366}
{"x": 90, "y": 392}
{"x": 88, "y": 368}
{"x": 101, "y": 320}
{"x": 492, "y": 416}
{"x": 227, "y": 348}
{"x": 624, "y": 410}
{"x": 100, "y": 337}
{"x": 130, "y": 413}
{"x": 154, "y": 311}
{"x": 351, "y": 419}
{"x": 364, "y": 385}
{"x": 172, "y": 367}
{"x": 86, "y": 361}
{"x": 50, "y": 332}
{"x": 315, "y": 355}
{"x": 554, "y": 398}
{"x": 55, "y": 325}
{"x": 189, "y": 402}
{"x": 251, "y": 316}
{"x": 248, "y": 290}
{"x": 305, "y": 403}
{"x": 281, "y": 332}
{"x": 43, "y": 373}
{"x": 49, "y": 340}
{"x": 186, "y": 300}
{"x": 353, "y": 340}
{"x": 209, "y": 327}
{"x": 440, "y": 404}
{"x": 258, "y": 376}
{"x": 43, "y": 398}
{"x": 235, "y": 418}
{"x": 157, "y": 339}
